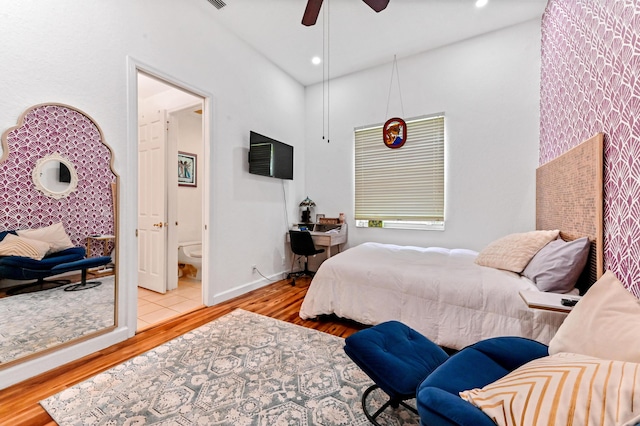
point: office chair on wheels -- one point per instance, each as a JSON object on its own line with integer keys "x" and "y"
{"x": 302, "y": 246}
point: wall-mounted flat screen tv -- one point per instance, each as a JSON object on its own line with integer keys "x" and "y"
{"x": 268, "y": 157}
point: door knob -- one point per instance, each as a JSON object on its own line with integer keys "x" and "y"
{"x": 158, "y": 225}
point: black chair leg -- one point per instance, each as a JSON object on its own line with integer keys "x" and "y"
{"x": 83, "y": 284}
{"x": 39, "y": 285}
{"x": 393, "y": 403}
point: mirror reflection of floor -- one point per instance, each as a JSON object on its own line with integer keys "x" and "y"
{"x": 154, "y": 308}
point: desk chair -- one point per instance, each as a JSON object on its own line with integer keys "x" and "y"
{"x": 302, "y": 246}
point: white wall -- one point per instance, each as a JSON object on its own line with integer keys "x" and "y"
{"x": 488, "y": 87}
{"x": 189, "y": 128}
{"x": 76, "y": 53}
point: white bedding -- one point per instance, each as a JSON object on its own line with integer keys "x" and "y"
{"x": 439, "y": 292}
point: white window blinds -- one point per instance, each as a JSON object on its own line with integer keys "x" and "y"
{"x": 405, "y": 183}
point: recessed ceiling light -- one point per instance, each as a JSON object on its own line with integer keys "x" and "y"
{"x": 316, "y": 60}
{"x": 481, "y": 3}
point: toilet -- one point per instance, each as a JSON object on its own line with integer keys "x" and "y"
{"x": 190, "y": 252}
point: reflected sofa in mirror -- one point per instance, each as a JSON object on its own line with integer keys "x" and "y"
{"x": 36, "y": 194}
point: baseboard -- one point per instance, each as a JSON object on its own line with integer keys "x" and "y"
{"x": 245, "y": 288}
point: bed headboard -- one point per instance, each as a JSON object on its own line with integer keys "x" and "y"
{"x": 569, "y": 197}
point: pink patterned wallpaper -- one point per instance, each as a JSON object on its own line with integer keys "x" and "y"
{"x": 47, "y": 129}
{"x": 590, "y": 83}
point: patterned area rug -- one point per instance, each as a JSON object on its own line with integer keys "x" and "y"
{"x": 36, "y": 321}
{"x": 241, "y": 369}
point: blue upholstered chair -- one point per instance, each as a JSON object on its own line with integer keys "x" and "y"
{"x": 397, "y": 358}
{"x": 405, "y": 364}
{"x": 475, "y": 366}
{"x": 69, "y": 260}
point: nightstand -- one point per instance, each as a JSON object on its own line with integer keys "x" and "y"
{"x": 547, "y": 301}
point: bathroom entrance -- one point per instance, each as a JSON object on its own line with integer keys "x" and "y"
{"x": 171, "y": 167}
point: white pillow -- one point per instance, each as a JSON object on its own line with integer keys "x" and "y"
{"x": 513, "y": 252}
{"x": 54, "y": 234}
{"x": 558, "y": 265}
{"x": 13, "y": 245}
{"x": 604, "y": 323}
{"x": 563, "y": 389}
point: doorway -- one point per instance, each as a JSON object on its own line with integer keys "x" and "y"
{"x": 170, "y": 200}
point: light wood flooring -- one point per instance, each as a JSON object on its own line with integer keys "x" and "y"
{"x": 19, "y": 403}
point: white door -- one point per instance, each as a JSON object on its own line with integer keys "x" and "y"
{"x": 152, "y": 215}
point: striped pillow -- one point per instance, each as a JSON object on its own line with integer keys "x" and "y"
{"x": 13, "y": 245}
{"x": 563, "y": 389}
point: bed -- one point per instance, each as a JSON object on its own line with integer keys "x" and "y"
{"x": 448, "y": 297}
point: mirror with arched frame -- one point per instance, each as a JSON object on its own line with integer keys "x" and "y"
{"x": 56, "y": 168}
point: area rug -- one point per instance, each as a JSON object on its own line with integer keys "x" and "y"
{"x": 241, "y": 369}
{"x": 36, "y": 321}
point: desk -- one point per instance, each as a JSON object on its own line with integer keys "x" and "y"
{"x": 547, "y": 301}
{"x": 326, "y": 236}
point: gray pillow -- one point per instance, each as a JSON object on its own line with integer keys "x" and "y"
{"x": 558, "y": 265}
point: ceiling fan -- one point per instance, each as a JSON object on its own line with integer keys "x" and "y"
{"x": 313, "y": 9}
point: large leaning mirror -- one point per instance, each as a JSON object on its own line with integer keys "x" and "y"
{"x": 58, "y": 195}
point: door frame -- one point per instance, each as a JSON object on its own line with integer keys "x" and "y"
{"x": 127, "y": 297}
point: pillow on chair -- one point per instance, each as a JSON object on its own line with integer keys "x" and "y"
{"x": 604, "y": 323}
{"x": 54, "y": 234}
{"x": 562, "y": 389}
{"x": 13, "y": 245}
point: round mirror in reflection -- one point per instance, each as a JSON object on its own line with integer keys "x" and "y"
{"x": 55, "y": 176}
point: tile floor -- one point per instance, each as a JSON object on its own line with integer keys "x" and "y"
{"x": 155, "y": 307}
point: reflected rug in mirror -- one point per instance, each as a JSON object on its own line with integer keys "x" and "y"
{"x": 240, "y": 369}
{"x": 33, "y": 322}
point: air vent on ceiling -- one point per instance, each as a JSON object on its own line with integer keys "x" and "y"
{"x": 219, "y": 4}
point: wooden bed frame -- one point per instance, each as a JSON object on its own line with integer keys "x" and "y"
{"x": 569, "y": 197}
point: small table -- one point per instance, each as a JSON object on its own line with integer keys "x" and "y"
{"x": 103, "y": 238}
{"x": 547, "y": 301}
{"x": 105, "y": 269}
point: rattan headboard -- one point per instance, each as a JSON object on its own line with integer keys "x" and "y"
{"x": 569, "y": 197}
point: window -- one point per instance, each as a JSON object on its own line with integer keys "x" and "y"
{"x": 404, "y": 187}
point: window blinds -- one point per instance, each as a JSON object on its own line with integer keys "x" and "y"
{"x": 405, "y": 183}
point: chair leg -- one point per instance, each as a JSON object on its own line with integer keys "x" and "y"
{"x": 39, "y": 285}
{"x": 292, "y": 275}
{"x": 83, "y": 285}
{"x": 394, "y": 403}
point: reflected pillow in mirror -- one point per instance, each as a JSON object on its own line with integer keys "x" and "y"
{"x": 54, "y": 234}
{"x": 13, "y": 245}
{"x": 558, "y": 265}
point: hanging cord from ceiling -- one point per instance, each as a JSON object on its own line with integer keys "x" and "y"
{"x": 394, "y": 70}
{"x": 326, "y": 81}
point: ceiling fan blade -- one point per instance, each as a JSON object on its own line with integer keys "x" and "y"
{"x": 311, "y": 12}
{"x": 377, "y": 5}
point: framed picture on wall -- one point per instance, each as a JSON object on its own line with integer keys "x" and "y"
{"x": 187, "y": 169}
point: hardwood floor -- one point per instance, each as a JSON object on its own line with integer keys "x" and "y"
{"x": 19, "y": 404}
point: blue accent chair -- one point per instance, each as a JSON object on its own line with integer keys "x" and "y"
{"x": 405, "y": 364}
{"x": 68, "y": 260}
{"x": 397, "y": 358}
{"x": 475, "y": 366}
